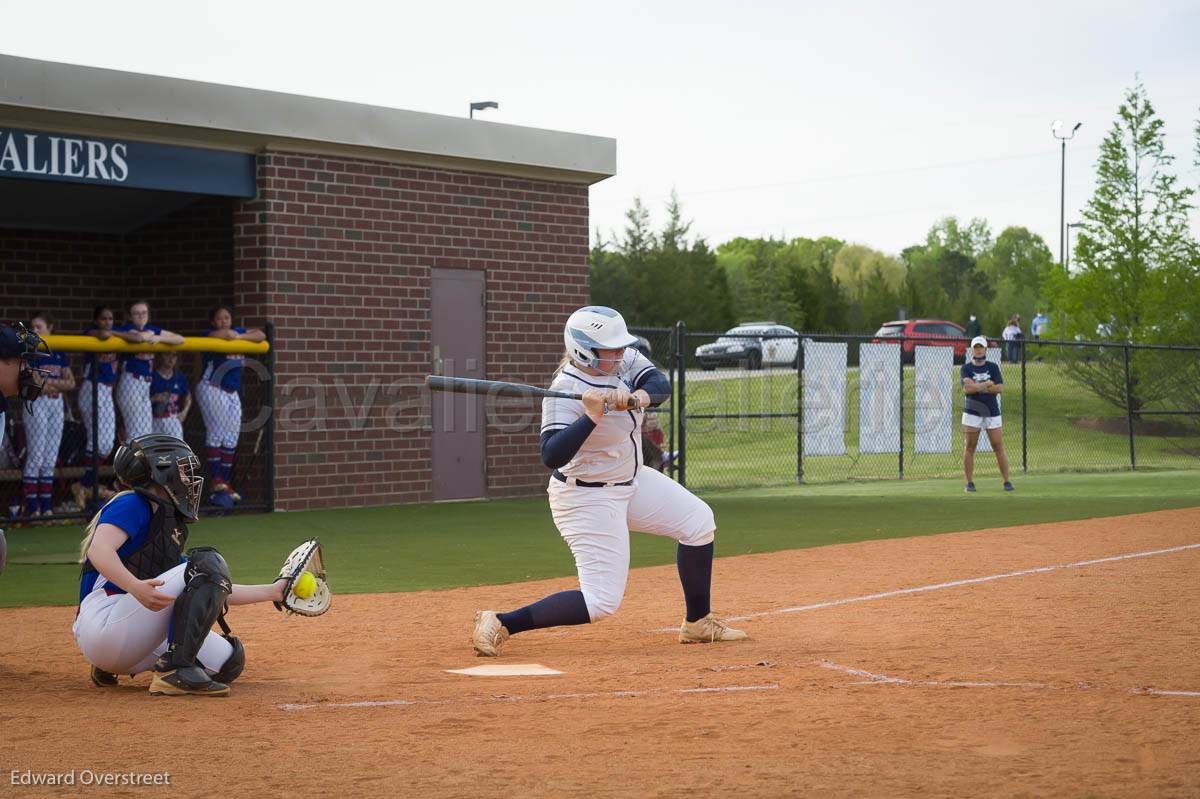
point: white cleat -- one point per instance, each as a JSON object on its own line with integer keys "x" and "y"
{"x": 708, "y": 630}
{"x": 489, "y": 634}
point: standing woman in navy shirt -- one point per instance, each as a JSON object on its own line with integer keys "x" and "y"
{"x": 219, "y": 398}
{"x": 982, "y": 385}
{"x": 133, "y": 390}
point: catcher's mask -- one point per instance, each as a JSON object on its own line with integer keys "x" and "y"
{"x": 158, "y": 459}
{"x": 17, "y": 341}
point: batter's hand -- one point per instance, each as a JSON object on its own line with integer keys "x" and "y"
{"x": 148, "y": 595}
{"x": 619, "y": 399}
{"x": 593, "y": 403}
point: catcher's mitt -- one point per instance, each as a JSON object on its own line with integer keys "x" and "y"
{"x": 306, "y": 557}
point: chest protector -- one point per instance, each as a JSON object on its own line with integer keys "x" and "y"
{"x": 163, "y": 547}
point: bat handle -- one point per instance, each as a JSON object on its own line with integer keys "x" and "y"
{"x": 635, "y": 402}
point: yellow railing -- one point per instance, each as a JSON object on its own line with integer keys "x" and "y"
{"x": 190, "y": 344}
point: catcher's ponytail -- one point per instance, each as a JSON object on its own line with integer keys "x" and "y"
{"x": 90, "y": 532}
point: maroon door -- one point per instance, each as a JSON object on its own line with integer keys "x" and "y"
{"x": 458, "y": 351}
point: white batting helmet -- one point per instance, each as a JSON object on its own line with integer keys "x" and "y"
{"x": 595, "y": 328}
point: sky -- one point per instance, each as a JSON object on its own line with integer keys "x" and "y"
{"x": 866, "y": 121}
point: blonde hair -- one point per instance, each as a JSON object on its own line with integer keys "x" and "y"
{"x": 563, "y": 364}
{"x": 90, "y": 532}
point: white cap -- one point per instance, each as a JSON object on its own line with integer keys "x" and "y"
{"x": 979, "y": 341}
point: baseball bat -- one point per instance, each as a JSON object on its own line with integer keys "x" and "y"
{"x": 499, "y": 388}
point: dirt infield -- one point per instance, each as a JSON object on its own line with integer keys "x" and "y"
{"x": 1077, "y": 679}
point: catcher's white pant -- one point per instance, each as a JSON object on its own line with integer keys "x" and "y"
{"x": 595, "y": 523}
{"x": 119, "y": 635}
{"x": 222, "y": 411}
{"x": 133, "y": 398}
{"x": 43, "y": 434}
{"x": 106, "y": 417}
{"x": 169, "y": 425}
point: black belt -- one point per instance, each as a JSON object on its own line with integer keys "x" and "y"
{"x": 562, "y": 478}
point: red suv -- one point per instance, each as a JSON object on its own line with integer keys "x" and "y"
{"x": 927, "y": 333}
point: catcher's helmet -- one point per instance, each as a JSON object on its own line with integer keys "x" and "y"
{"x": 595, "y": 328}
{"x": 158, "y": 459}
{"x": 17, "y": 341}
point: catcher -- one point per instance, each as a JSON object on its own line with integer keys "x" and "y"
{"x": 144, "y": 605}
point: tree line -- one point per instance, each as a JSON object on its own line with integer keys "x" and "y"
{"x": 1135, "y": 275}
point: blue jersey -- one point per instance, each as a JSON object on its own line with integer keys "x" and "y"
{"x": 104, "y": 364}
{"x": 132, "y": 513}
{"x": 55, "y": 365}
{"x": 982, "y": 404}
{"x": 137, "y": 363}
{"x": 175, "y": 387}
{"x": 224, "y": 369}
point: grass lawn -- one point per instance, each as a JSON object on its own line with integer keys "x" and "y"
{"x": 415, "y": 547}
{"x": 729, "y": 453}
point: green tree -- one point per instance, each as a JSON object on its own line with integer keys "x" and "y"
{"x": 1136, "y": 262}
{"x": 1016, "y": 266}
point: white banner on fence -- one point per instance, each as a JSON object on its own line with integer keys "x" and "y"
{"x": 933, "y": 408}
{"x": 824, "y": 398}
{"x": 993, "y": 355}
{"x": 878, "y": 398}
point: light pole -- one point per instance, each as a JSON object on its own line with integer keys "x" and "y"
{"x": 1070, "y": 225}
{"x": 1062, "y": 202}
{"x": 481, "y": 105}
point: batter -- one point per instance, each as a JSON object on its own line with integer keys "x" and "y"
{"x": 599, "y": 491}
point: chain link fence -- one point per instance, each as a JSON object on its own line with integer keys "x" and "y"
{"x": 56, "y": 456}
{"x": 782, "y": 408}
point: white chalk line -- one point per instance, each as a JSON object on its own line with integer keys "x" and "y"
{"x": 531, "y": 698}
{"x": 871, "y": 678}
{"x": 953, "y": 584}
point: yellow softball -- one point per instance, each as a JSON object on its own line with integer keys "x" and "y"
{"x": 305, "y": 586}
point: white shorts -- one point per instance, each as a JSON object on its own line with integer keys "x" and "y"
{"x": 981, "y": 422}
{"x": 595, "y": 523}
{"x": 118, "y": 634}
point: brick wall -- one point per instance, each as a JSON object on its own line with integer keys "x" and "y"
{"x": 338, "y": 252}
{"x": 182, "y": 264}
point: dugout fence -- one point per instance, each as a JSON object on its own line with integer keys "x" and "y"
{"x": 824, "y": 408}
{"x": 244, "y": 417}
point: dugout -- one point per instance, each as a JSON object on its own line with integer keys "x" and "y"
{"x": 381, "y": 244}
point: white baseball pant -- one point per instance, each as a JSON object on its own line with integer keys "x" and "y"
{"x": 595, "y": 523}
{"x": 119, "y": 635}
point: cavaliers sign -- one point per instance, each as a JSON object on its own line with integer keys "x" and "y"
{"x": 62, "y": 157}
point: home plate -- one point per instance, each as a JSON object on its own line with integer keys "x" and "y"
{"x": 506, "y": 670}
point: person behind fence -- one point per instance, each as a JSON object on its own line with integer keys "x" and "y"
{"x": 973, "y": 328}
{"x": 44, "y": 424}
{"x": 99, "y": 422}
{"x": 133, "y": 389}
{"x": 170, "y": 395}
{"x": 1039, "y": 326}
{"x": 1012, "y": 338}
{"x": 219, "y": 399}
{"x": 982, "y": 385}
{"x": 22, "y": 374}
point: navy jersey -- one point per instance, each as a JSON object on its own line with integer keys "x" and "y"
{"x": 55, "y": 365}
{"x": 132, "y": 513}
{"x": 224, "y": 369}
{"x": 982, "y": 404}
{"x": 175, "y": 387}
{"x": 104, "y": 364}
{"x": 137, "y": 363}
